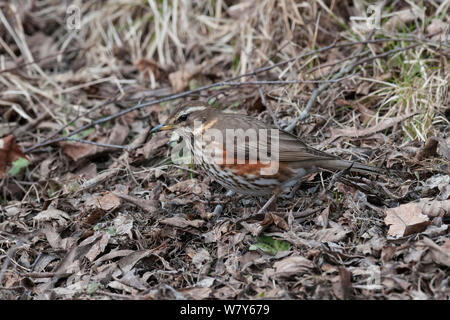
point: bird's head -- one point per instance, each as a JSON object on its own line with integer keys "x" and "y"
{"x": 185, "y": 117}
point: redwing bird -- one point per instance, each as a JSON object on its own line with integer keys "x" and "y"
{"x": 293, "y": 159}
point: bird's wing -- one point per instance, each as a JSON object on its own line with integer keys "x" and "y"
{"x": 288, "y": 147}
{"x": 261, "y": 145}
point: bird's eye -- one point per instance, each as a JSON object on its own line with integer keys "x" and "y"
{"x": 183, "y": 117}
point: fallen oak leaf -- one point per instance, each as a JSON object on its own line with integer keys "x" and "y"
{"x": 405, "y": 220}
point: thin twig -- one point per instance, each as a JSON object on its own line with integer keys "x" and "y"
{"x": 98, "y": 144}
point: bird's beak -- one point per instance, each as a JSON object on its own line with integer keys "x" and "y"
{"x": 162, "y": 127}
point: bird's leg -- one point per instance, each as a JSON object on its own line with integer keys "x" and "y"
{"x": 219, "y": 208}
{"x": 291, "y": 194}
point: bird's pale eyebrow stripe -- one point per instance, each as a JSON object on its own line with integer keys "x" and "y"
{"x": 194, "y": 108}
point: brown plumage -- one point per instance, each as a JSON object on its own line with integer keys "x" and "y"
{"x": 295, "y": 159}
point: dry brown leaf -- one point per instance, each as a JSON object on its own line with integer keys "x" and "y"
{"x": 53, "y": 238}
{"x": 217, "y": 231}
{"x": 206, "y": 282}
{"x": 112, "y": 255}
{"x": 202, "y": 260}
{"x": 226, "y": 292}
{"x": 191, "y": 186}
{"x": 280, "y": 222}
{"x": 293, "y": 265}
{"x": 117, "y": 135}
{"x": 133, "y": 280}
{"x": 366, "y": 114}
{"x": 9, "y": 152}
{"x": 200, "y": 207}
{"x": 405, "y": 220}
{"x": 180, "y": 79}
{"x": 78, "y": 150}
{"x": 181, "y": 222}
{"x": 93, "y": 216}
{"x": 442, "y": 183}
{"x": 107, "y": 201}
{"x": 334, "y": 234}
{"x": 104, "y": 175}
{"x": 47, "y": 166}
{"x": 123, "y": 225}
{"x": 122, "y": 287}
{"x": 98, "y": 247}
{"x": 52, "y": 214}
{"x": 127, "y": 263}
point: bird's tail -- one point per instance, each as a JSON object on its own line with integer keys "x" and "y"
{"x": 353, "y": 166}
